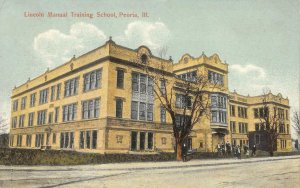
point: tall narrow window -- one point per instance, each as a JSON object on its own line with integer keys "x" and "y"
{"x": 81, "y": 140}
{"x": 150, "y": 140}
{"x": 88, "y": 139}
{"x": 50, "y": 118}
{"x": 135, "y": 82}
{"x": 119, "y": 108}
{"x": 162, "y": 114}
{"x": 133, "y": 140}
{"x": 120, "y": 78}
{"x": 150, "y": 112}
{"x": 94, "y": 140}
{"x": 134, "y": 110}
{"x": 23, "y": 103}
{"x": 30, "y": 119}
{"x": 15, "y": 105}
{"x": 56, "y": 114}
{"x": 163, "y": 87}
{"x": 32, "y": 99}
{"x": 52, "y": 93}
{"x": 58, "y": 90}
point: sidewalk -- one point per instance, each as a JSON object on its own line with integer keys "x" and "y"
{"x": 151, "y": 165}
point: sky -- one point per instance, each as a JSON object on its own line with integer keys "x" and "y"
{"x": 258, "y": 39}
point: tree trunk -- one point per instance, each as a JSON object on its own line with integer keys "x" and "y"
{"x": 179, "y": 151}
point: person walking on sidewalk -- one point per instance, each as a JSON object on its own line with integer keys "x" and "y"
{"x": 239, "y": 152}
{"x": 254, "y": 150}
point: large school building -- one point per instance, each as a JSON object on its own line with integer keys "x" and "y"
{"x": 103, "y": 102}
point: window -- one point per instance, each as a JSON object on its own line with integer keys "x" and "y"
{"x": 11, "y": 140}
{"x": 286, "y": 114}
{"x": 280, "y": 113}
{"x": 81, "y": 140}
{"x": 66, "y": 140}
{"x": 50, "y": 118}
{"x": 119, "y": 108}
{"x": 69, "y": 112}
{"x": 92, "y": 80}
{"x": 142, "y": 97}
{"x": 183, "y": 101}
{"x": 142, "y": 140}
{"x": 287, "y": 129}
{"x": 150, "y": 112}
{"x": 21, "y": 121}
{"x": 135, "y": 82}
{"x": 150, "y": 140}
{"x": 19, "y": 140}
{"x": 144, "y": 58}
{"x": 56, "y": 114}
{"x": 232, "y": 110}
{"x": 142, "y": 111}
{"x": 162, "y": 114}
{"x": 32, "y": 99}
{"x": 54, "y": 138}
{"x": 58, "y": 91}
{"x": 15, "y": 105}
{"x": 218, "y": 116}
{"x": 243, "y": 128}
{"x": 163, "y": 87}
{"x": 91, "y": 109}
{"x": 52, "y": 93}
{"x": 94, "y": 139}
{"x": 143, "y": 83}
{"x": 282, "y": 128}
{"x": 215, "y": 78}
{"x": 134, "y": 110}
{"x": 261, "y": 112}
{"x": 71, "y": 87}
{"x": 39, "y": 140}
{"x": 181, "y": 119}
{"x": 242, "y": 112}
{"x": 14, "y": 122}
{"x": 88, "y": 139}
{"x": 28, "y": 140}
{"x": 30, "y": 119}
{"x": 120, "y": 78}
{"x": 150, "y": 86}
{"x": 43, "y": 96}
{"x": 23, "y": 103}
{"x": 218, "y": 101}
{"x": 133, "y": 140}
{"x": 189, "y": 76}
{"x": 41, "y": 120}
{"x": 232, "y": 126}
{"x": 282, "y": 144}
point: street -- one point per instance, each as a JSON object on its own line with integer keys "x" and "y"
{"x": 253, "y": 172}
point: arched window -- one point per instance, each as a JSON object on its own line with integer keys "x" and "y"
{"x": 144, "y": 58}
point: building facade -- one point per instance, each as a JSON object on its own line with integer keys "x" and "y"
{"x": 103, "y": 102}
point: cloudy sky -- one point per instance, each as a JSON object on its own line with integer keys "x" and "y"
{"x": 258, "y": 39}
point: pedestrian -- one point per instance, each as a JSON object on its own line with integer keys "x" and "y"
{"x": 183, "y": 152}
{"x": 247, "y": 152}
{"x": 254, "y": 150}
{"x": 239, "y": 152}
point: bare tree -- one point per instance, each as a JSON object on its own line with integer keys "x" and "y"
{"x": 3, "y": 125}
{"x": 296, "y": 122}
{"x": 190, "y": 107}
{"x": 271, "y": 120}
